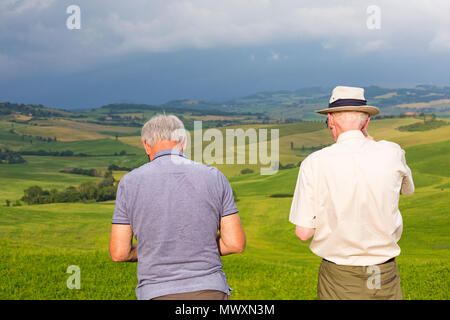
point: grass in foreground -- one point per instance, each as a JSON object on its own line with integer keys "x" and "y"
{"x": 40, "y": 242}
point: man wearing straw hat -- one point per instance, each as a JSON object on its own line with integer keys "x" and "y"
{"x": 346, "y": 199}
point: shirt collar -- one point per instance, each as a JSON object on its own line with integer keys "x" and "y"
{"x": 351, "y": 134}
{"x": 166, "y": 152}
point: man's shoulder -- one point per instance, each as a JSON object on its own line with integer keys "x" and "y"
{"x": 388, "y": 144}
{"x": 208, "y": 174}
{"x": 329, "y": 151}
{"x": 313, "y": 158}
{"x": 196, "y": 168}
{"x": 135, "y": 172}
{"x": 316, "y": 155}
{"x": 205, "y": 170}
{"x": 384, "y": 148}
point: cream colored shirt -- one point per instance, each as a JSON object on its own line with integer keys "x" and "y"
{"x": 349, "y": 192}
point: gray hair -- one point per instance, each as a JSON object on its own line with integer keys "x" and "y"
{"x": 164, "y": 128}
{"x": 351, "y": 117}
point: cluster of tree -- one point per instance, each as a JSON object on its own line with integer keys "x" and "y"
{"x": 312, "y": 148}
{"x": 119, "y": 117}
{"x": 199, "y": 108}
{"x": 115, "y": 123}
{"x": 424, "y": 126}
{"x": 88, "y": 191}
{"x": 10, "y": 157}
{"x": 390, "y": 116}
{"x": 64, "y": 153}
{"x": 33, "y": 110}
{"x": 8, "y": 203}
{"x": 115, "y": 167}
{"x": 280, "y": 167}
{"x": 121, "y": 153}
{"x": 281, "y": 195}
{"x": 246, "y": 171}
{"x": 86, "y": 172}
{"x": 422, "y": 115}
{"x": 44, "y": 139}
{"x": 288, "y": 166}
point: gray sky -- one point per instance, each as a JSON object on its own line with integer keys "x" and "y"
{"x": 154, "y": 51}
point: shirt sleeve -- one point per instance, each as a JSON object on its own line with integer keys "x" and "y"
{"x": 302, "y": 209}
{"x": 407, "y": 182}
{"x": 228, "y": 204}
{"x": 120, "y": 215}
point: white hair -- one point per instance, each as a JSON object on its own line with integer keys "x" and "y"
{"x": 354, "y": 118}
{"x": 164, "y": 128}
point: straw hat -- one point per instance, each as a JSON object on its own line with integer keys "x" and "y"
{"x": 349, "y": 99}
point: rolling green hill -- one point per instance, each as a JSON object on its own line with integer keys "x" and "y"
{"x": 282, "y": 105}
{"x": 40, "y": 241}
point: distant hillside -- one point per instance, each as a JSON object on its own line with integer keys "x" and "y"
{"x": 282, "y": 105}
{"x": 31, "y": 110}
{"x": 301, "y": 104}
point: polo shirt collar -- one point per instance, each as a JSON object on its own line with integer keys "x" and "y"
{"x": 167, "y": 152}
{"x": 351, "y": 134}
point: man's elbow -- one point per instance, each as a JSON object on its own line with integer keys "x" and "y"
{"x": 303, "y": 237}
{"x": 117, "y": 256}
{"x": 241, "y": 248}
{"x": 238, "y": 246}
{"x": 304, "y": 234}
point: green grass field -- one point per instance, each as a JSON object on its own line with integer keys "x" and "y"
{"x": 39, "y": 242}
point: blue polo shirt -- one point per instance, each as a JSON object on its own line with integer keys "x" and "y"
{"x": 174, "y": 206}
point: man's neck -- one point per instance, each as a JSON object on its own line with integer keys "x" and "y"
{"x": 350, "y": 134}
{"x": 160, "y": 146}
{"x": 340, "y": 131}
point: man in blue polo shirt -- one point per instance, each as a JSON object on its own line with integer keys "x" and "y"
{"x": 182, "y": 214}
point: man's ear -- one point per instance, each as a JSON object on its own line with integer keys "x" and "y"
{"x": 147, "y": 148}
{"x": 366, "y": 124}
{"x": 330, "y": 120}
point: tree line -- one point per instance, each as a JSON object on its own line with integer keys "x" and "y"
{"x": 33, "y": 110}
{"x": 86, "y": 192}
{"x": 66, "y": 153}
{"x": 10, "y": 157}
{"x": 85, "y": 172}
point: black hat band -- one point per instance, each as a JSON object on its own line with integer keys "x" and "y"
{"x": 347, "y": 102}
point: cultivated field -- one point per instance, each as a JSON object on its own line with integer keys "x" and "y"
{"x": 39, "y": 242}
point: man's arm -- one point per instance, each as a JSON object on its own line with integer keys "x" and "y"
{"x": 121, "y": 247}
{"x": 407, "y": 183}
{"x": 231, "y": 237}
{"x": 303, "y": 203}
{"x": 303, "y": 233}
